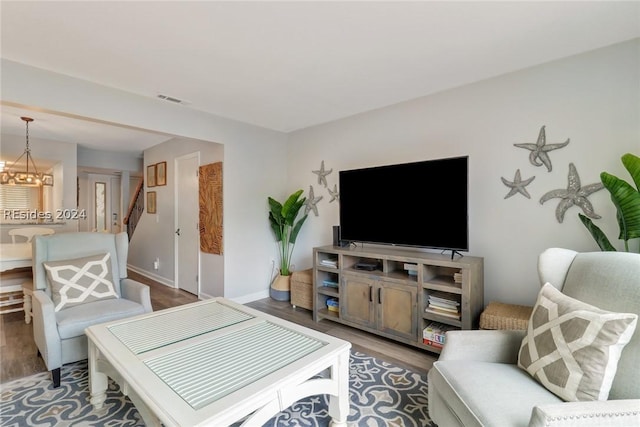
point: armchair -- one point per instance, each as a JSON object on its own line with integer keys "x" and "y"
{"x": 80, "y": 279}
{"x": 477, "y": 381}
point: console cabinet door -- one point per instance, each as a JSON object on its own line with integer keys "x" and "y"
{"x": 397, "y": 309}
{"x": 357, "y": 301}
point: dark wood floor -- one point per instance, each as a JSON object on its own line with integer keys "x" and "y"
{"x": 18, "y": 353}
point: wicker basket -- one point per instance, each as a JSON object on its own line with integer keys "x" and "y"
{"x": 301, "y": 289}
{"x": 498, "y": 315}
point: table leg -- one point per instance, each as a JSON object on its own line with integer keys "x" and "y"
{"x": 98, "y": 381}
{"x": 339, "y": 405}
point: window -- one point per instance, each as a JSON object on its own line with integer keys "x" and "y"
{"x": 19, "y": 197}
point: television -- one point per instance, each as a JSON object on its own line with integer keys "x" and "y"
{"x": 419, "y": 204}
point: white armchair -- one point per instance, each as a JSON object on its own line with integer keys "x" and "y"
{"x": 80, "y": 279}
{"x": 477, "y": 382}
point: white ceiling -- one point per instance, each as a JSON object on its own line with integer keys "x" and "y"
{"x": 290, "y": 65}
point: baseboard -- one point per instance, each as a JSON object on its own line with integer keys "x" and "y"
{"x": 152, "y": 276}
{"x": 251, "y": 297}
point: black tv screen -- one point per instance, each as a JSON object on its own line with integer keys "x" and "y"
{"x": 420, "y": 204}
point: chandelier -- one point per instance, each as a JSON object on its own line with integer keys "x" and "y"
{"x": 29, "y": 177}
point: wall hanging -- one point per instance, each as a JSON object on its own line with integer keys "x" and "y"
{"x": 151, "y": 202}
{"x": 574, "y": 194}
{"x": 539, "y": 150}
{"x": 151, "y": 176}
{"x": 334, "y": 193}
{"x": 210, "y": 211}
{"x": 517, "y": 185}
{"x": 311, "y": 202}
{"x": 322, "y": 175}
{"x": 161, "y": 173}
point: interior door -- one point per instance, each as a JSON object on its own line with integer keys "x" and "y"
{"x": 187, "y": 233}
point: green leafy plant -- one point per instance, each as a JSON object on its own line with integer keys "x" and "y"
{"x": 285, "y": 227}
{"x": 626, "y": 199}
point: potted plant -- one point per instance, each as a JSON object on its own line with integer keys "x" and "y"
{"x": 282, "y": 218}
{"x": 626, "y": 199}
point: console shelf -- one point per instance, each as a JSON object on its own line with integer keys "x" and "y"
{"x": 391, "y": 295}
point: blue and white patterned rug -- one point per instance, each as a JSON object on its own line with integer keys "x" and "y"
{"x": 381, "y": 395}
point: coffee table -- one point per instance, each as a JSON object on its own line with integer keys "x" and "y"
{"x": 216, "y": 362}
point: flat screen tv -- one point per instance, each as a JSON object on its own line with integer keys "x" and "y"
{"x": 420, "y": 204}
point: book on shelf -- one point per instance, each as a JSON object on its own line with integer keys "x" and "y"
{"x": 444, "y": 302}
{"x": 333, "y": 305}
{"x": 330, "y": 283}
{"x": 410, "y": 267}
{"x": 451, "y": 309}
{"x": 457, "y": 277}
{"x": 440, "y": 312}
{"x": 329, "y": 262}
{"x": 434, "y": 334}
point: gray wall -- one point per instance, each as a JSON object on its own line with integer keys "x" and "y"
{"x": 157, "y": 231}
{"x": 254, "y": 159}
{"x": 593, "y": 99}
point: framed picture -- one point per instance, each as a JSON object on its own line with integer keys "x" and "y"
{"x": 151, "y": 202}
{"x": 161, "y": 173}
{"x": 151, "y": 176}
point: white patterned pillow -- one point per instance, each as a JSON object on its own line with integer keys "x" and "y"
{"x": 573, "y": 348}
{"x": 79, "y": 281}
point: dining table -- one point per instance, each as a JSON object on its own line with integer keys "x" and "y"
{"x": 16, "y": 286}
{"x": 15, "y": 255}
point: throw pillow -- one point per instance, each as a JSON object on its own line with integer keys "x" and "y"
{"x": 573, "y": 348}
{"x": 79, "y": 281}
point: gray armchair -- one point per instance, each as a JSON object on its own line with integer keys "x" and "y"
{"x": 477, "y": 382}
{"x": 62, "y": 308}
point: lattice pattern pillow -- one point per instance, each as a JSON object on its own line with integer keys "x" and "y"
{"x": 573, "y": 348}
{"x": 79, "y": 281}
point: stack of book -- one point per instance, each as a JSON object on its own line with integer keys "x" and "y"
{"x": 329, "y": 263}
{"x": 412, "y": 269}
{"x": 330, "y": 283}
{"x": 333, "y": 305}
{"x": 443, "y": 304}
{"x": 434, "y": 334}
{"x": 457, "y": 277}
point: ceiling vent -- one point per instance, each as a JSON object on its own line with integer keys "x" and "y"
{"x": 172, "y": 99}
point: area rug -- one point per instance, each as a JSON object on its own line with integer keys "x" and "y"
{"x": 381, "y": 394}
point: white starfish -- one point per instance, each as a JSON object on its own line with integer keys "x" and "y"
{"x": 311, "y": 202}
{"x": 322, "y": 174}
{"x": 573, "y": 195}
{"x": 334, "y": 194}
{"x": 517, "y": 185}
{"x": 538, "y": 155}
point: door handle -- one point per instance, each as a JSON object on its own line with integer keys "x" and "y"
{"x": 178, "y": 231}
{"x": 379, "y": 295}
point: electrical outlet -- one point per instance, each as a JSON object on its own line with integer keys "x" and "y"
{"x": 156, "y": 264}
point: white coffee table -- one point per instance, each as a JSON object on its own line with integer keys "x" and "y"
{"x": 216, "y": 362}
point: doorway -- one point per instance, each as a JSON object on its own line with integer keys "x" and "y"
{"x": 187, "y": 233}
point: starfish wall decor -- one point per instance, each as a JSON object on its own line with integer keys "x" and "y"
{"x": 517, "y": 185}
{"x": 334, "y": 193}
{"x": 322, "y": 174}
{"x": 311, "y": 202}
{"x": 575, "y": 194}
{"x": 539, "y": 150}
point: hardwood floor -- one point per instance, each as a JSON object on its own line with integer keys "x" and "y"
{"x": 18, "y": 352}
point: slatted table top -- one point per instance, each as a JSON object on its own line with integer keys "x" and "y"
{"x": 196, "y": 360}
